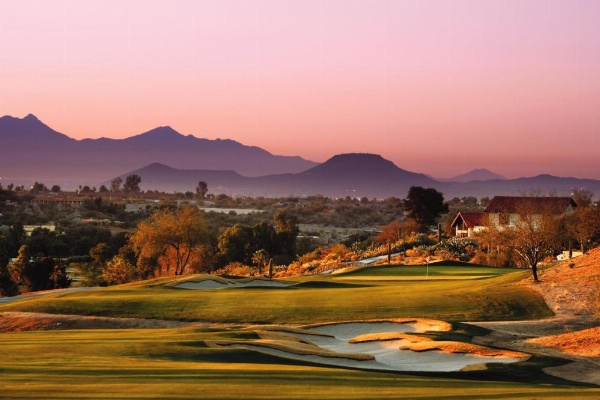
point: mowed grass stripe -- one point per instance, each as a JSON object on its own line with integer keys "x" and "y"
{"x": 172, "y": 363}
{"x": 452, "y": 300}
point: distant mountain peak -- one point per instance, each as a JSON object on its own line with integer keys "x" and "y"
{"x": 478, "y": 174}
{"x": 161, "y": 132}
{"x": 31, "y": 117}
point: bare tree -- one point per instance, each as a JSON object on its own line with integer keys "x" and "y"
{"x": 533, "y": 237}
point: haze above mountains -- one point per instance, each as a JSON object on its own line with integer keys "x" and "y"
{"x": 169, "y": 161}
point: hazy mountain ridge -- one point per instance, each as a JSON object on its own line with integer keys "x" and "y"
{"x": 31, "y": 149}
{"x": 355, "y": 175}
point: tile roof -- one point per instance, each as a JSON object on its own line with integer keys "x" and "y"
{"x": 537, "y": 205}
{"x": 471, "y": 219}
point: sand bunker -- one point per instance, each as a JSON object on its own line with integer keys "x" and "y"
{"x": 380, "y": 344}
{"x": 219, "y": 283}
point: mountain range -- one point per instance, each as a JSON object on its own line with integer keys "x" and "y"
{"x": 169, "y": 161}
{"x": 31, "y": 150}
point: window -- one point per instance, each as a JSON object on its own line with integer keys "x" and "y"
{"x": 504, "y": 219}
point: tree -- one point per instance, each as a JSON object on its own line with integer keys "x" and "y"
{"x": 132, "y": 183}
{"x": 286, "y": 227}
{"x": 201, "y": 190}
{"x": 260, "y": 258}
{"x": 8, "y": 287}
{"x": 582, "y": 197}
{"x": 115, "y": 184}
{"x": 55, "y": 189}
{"x": 119, "y": 270}
{"x": 535, "y": 236}
{"x": 583, "y": 225}
{"x": 38, "y": 187}
{"x": 389, "y": 233}
{"x": 235, "y": 244}
{"x": 19, "y": 265}
{"x": 103, "y": 189}
{"x": 183, "y": 231}
{"x": 425, "y": 206}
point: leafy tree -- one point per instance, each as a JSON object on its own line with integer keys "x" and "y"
{"x": 535, "y": 236}
{"x": 260, "y": 258}
{"x": 425, "y": 206}
{"x": 8, "y": 287}
{"x": 103, "y": 189}
{"x": 91, "y": 272}
{"x": 583, "y": 225}
{"x": 235, "y": 245}
{"x": 38, "y": 187}
{"x": 201, "y": 190}
{"x": 19, "y": 265}
{"x": 119, "y": 270}
{"x": 132, "y": 183}
{"x": 390, "y": 233}
{"x": 115, "y": 184}
{"x": 183, "y": 231}
{"x": 55, "y": 189}
{"x": 286, "y": 227}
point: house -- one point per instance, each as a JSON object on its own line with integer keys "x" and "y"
{"x": 136, "y": 207}
{"x": 466, "y": 224}
{"x": 507, "y": 211}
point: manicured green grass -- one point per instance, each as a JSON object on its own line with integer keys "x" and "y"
{"x": 175, "y": 363}
{"x": 441, "y": 270}
{"x": 451, "y": 300}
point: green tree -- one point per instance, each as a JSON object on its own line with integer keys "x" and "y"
{"x": 235, "y": 244}
{"x": 181, "y": 232}
{"x": 132, "y": 183}
{"x": 8, "y": 287}
{"x": 424, "y": 206}
{"x": 55, "y": 189}
{"x": 201, "y": 190}
{"x": 115, "y": 184}
{"x": 286, "y": 227}
{"x": 261, "y": 258}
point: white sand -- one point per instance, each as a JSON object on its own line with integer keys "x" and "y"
{"x": 387, "y": 355}
{"x": 209, "y": 284}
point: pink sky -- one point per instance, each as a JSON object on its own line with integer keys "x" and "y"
{"x": 439, "y": 87}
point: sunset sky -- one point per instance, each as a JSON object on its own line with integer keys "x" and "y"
{"x": 439, "y": 87}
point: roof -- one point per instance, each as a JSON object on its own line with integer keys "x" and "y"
{"x": 535, "y": 205}
{"x": 471, "y": 219}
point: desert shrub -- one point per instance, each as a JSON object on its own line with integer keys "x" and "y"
{"x": 493, "y": 259}
{"x": 238, "y": 269}
{"x": 456, "y": 249}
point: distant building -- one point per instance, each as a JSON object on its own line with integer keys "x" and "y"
{"x": 30, "y": 228}
{"x": 506, "y": 211}
{"x": 136, "y": 207}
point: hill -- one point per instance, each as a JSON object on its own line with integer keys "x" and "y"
{"x": 354, "y": 175}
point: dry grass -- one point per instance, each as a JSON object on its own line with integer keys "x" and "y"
{"x": 580, "y": 343}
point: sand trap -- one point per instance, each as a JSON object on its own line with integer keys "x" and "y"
{"x": 344, "y": 339}
{"x": 208, "y": 284}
